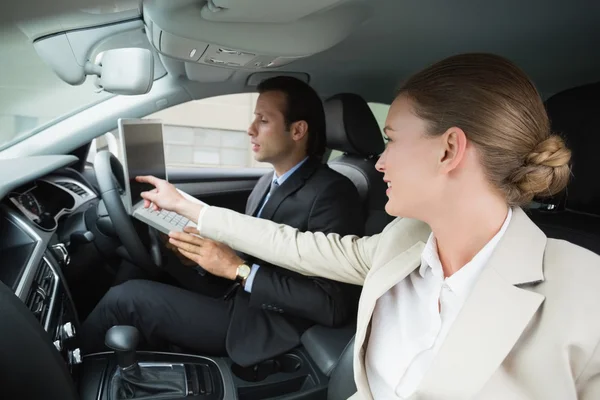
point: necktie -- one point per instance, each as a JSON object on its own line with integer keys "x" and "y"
{"x": 274, "y": 186}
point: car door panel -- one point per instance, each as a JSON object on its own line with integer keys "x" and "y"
{"x": 222, "y": 187}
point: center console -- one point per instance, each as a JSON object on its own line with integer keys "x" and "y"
{"x": 290, "y": 374}
{"x": 155, "y": 376}
{"x": 32, "y": 268}
{"x": 127, "y": 374}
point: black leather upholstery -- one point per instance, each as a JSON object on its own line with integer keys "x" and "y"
{"x": 575, "y": 213}
{"x": 341, "y": 383}
{"x": 574, "y": 114}
{"x": 353, "y": 129}
{"x": 30, "y": 366}
{"x": 351, "y": 126}
{"x": 326, "y": 345}
{"x": 158, "y": 382}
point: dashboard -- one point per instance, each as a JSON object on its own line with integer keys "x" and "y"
{"x": 30, "y": 211}
{"x": 42, "y": 206}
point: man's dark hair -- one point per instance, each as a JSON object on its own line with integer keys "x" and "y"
{"x": 302, "y": 104}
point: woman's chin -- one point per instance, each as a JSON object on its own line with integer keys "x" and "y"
{"x": 397, "y": 208}
{"x": 392, "y": 209}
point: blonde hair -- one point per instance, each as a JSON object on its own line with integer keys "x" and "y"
{"x": 502, "y": 114}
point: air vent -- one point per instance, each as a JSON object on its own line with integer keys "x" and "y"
{"x": 41, "y": 291}
{"x": 73, "y": 187}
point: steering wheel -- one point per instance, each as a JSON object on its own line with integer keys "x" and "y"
{"x": 111, "y": 180}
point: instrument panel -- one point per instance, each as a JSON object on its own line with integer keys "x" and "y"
{"x": 44, "y": 201}
{"x": 29, "y": 202}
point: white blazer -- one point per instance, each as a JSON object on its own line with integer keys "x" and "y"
{"x": 529, "y": 330}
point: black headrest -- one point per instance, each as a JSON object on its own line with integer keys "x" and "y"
{"x": 352, "y": 127}
{"x": 573, "y": 115}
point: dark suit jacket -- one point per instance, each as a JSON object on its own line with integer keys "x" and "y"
{"x": 283, "y": 304}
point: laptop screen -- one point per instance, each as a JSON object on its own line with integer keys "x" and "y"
{"x": 145, "y": 154}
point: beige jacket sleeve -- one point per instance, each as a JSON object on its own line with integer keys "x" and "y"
{"x": 345, "y": 259}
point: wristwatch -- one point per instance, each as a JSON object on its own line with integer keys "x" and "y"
{"x": 242, "y": 273}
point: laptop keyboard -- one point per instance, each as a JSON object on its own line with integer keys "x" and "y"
{"x": 170, "y": 217}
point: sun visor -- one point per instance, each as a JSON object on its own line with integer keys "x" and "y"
{"x": 253, "y": 34}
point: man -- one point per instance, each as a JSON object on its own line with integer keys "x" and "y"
{"x": 266, "y": 314}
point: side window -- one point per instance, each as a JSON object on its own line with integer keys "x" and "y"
{"x": 380, "y": 111}
{"x": 210, "y": 132}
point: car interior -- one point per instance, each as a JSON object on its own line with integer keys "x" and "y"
{"x": 59, "y": 248}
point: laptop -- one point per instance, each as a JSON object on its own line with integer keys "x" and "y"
{"x": 144, "y": 154}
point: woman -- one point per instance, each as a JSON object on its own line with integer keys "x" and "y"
{"x": 464, "y": 297}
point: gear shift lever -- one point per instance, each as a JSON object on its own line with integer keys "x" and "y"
{"x": 132, "y": 381}
{"x": 123, "y": 340}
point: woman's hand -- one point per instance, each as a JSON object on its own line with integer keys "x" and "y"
{"x": 164, "y": 195}
{"x": 216, "y": 258}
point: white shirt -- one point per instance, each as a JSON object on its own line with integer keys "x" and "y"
{"x": 408, "y": 328}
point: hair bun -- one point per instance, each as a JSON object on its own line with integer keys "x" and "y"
{"x": 551, "y": 152}
{"x": 545, "y": 171}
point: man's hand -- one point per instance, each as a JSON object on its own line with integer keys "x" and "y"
{"x": 182, "y": 259}
{"x": 216, "y": 258}
{"x": 165, "y": 196}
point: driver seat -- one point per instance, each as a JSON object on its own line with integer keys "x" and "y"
{"x": 353, "y": 130}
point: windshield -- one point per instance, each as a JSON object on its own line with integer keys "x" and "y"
{"x": 31, "y": 95}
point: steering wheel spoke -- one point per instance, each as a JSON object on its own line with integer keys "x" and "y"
{"x": 111, "y": 180}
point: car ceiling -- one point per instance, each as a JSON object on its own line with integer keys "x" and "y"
{"x": 554, "y": 41}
